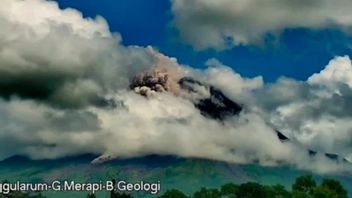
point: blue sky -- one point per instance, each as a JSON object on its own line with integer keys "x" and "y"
{"x": 298, "y": 53}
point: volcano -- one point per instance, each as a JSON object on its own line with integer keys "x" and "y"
{"x": 216, "y": 105}
{"x": 211, "y": 102}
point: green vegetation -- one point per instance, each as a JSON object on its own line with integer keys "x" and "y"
{"x": 173, "y": 194}
{"x": 22, "y": 195}
{"x": 304, "y": 187}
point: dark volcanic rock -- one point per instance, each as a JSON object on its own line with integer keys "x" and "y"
{"x": 281, "y": 136}
{"x": 217, "y": 106}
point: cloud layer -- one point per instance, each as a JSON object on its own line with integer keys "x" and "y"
{"x": 64, "y": 90}
{"x": 57, "y": 56}
{"x": 224, "y": 23}
{"x": 316, "y": 113}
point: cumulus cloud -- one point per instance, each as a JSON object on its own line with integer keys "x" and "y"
{"x": 64, "y": 90}
{"x": 240, "y": 89}
{"x": 59, "y": 57}
{"x": 225, "y": 23}
{"x": 315, "y": 113}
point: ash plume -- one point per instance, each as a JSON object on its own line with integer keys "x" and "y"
{"x": 167, "y": 76}
{"x": 210, "y": 101}
{"x": 153, "y": 81}
{"x": 163, "y": 76}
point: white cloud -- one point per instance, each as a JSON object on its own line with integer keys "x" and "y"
{"x": 316, "y": 113}
{"x": 41, "y": 19}
{"x": 338, "y": 71}
{"x": 225, "y": 23}
{"x": 44, "y": 49}
{"x": 235, "y": 86}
